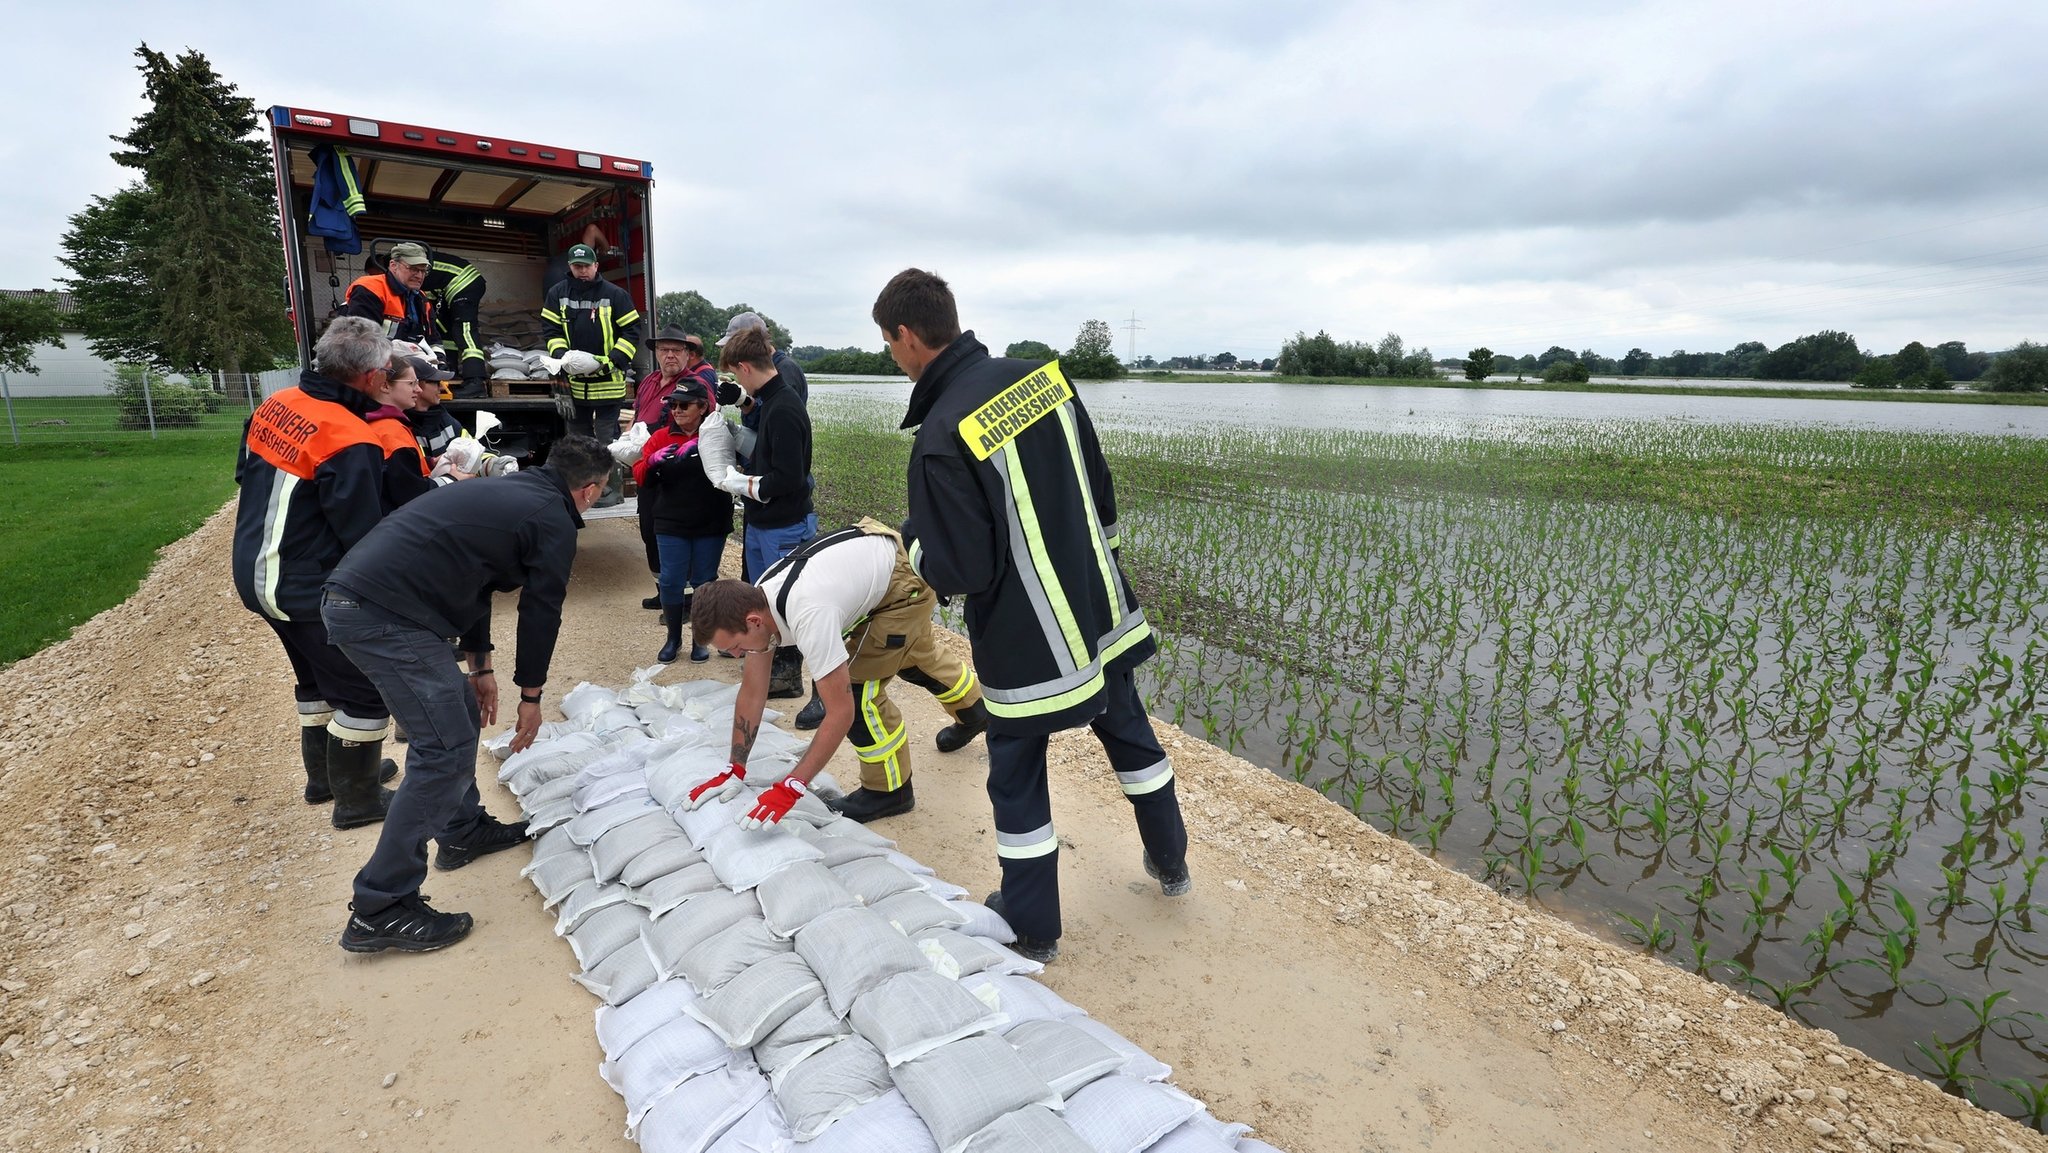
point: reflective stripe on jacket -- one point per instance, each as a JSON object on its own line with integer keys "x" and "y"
{"x": 405, "y": 314}
{"x": 1012, "y": 506}
{"x": 597, "y": 317}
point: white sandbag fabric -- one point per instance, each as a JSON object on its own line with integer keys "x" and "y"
{"x": 710, "y": 963}
{"x": 668, "y": 856}
{"x": 714, "y": 447}
{"x": 620, "y": 1027}
{"x": 806, "y": 988}
{"x": 886, "y": 1124}
{"x": 960, "y": 1088}
{"x": 664, "y": 895}
{"x": 853, "y": 951}
{"x": 1032, "y": 1129}
{"x": 605, "y": 932}
{"x": 1254, "y": 1145}
{"x": 812, "y": 1028}
{"x": 660, "y": 1061}
{"x": 586, "y": 699}
{"x": 743, "y": 858}
{"x": 914, "y": 913}
{"x": 795, "y": 896}
{"x": 912, "y": 1014}
{"x": 875, "y": 878}
{"x": 620, "y": 977}
{"x": 696, "y": 1113}
{"x": 829, "y": 1084}
{"x": 755, "y": 1002}
{"x": 1066, "y": 1056}
{"x": 1137, "y": 1062}
{"x": 1120, "y": 1114}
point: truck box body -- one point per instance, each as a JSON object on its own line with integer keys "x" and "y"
{"x": 509, "y": 207}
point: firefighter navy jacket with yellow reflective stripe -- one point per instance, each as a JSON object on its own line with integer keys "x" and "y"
{"x": 1028, "y": 536}
{"x": 292, "y": 527}
{"x": 456, "y": 290}
{"x": 597, "y": 317}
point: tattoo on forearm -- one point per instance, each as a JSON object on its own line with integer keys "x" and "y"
{"x": 743, "y": 733}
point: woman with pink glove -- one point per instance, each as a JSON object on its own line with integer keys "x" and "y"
{"x": 689, "y": 515}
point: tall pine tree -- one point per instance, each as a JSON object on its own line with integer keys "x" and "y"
{"x": 184, "y": 269}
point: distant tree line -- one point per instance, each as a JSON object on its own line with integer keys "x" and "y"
{"x": 1824, "y": 355}
{"x": 1227, "y": 361}
{"x": 1321, "y": 355}
{"x": 855, "y": 361}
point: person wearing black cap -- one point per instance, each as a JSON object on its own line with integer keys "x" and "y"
{"x": 689, "y": 516}
{"x": 678, "y": 357}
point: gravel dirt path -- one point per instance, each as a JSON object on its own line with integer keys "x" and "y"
{"x": 169, "y": 977}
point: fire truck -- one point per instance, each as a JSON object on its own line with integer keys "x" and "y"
{"x": 511, "y": 208}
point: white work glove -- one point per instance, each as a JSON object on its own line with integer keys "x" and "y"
{"x": 576, "y": 362}
{"x": 740, "y": 484}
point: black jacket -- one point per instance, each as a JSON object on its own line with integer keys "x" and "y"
{"x": 292, "y": 529}
{"x": 676, "y": 498}
{"x": 597, "y": 317}
{"x": 1011, "y": 505}
{"x": 436, "y": 562}
{"x": 782, "y": 458}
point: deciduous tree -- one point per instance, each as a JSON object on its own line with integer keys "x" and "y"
{"x": 691, "y": 312}
{"x": 1478, "y": 363}
{"x": 2021, "y": 368}
{"x": 1031, "y": 350}
{"x": 25, "y": 322}
{"x": 1093, "y": 356}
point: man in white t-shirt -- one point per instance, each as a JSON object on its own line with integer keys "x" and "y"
{"x": 861, "y": 616}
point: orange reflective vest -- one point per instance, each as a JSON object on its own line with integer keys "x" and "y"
{"x": 297, "y": 433}
{"x": 379, "y": 286}
{"x": 397, "y": 436}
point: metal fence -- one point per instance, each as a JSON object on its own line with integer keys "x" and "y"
{"x": 127, "y": 402}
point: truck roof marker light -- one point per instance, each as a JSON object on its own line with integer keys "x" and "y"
{"x": 483, "y": 145}
{"x": 444, "y": 140}
{"x": 515, "y": 150}
{"x": 586, "y": 160}
{"x": 363, "y": 127}
{"x": 415, "y": 135}
{"x": 547, "y": 156}
{"x": 625, "y": 166}
{"x": 312, "y": 121}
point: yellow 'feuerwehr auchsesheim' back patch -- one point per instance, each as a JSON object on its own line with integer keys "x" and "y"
{"x": 1013, "y": 410}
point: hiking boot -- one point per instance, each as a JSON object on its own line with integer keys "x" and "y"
{"x": 866, "y": 805}
{"x": 786, "y": 674}
{"x": 971, "y": 723}
{"x": 490, "y": 836}
{"x": 1031, "y": 947}
{"x": 813, "y": 714}
{"x": 354, "y": 770}
{"x": 1173, "y": 884}
{"x": 411, "y": 925}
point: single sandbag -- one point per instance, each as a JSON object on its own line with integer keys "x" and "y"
{"x": 660, "y": 1061}
{"x": 1067, "y": 1057}
{"x": 1021, "y": 997}
{"x": 710, "y": 963}
{"x": 620, "y": 977}
{"x": 800, "y": 893}
{"x": 1032, "y": 1129}
{"x": 872, "y": 879}
{"x": 585, "y": 900}
{"x": 810, "y": 1029}
{"x": 755, "y": 1002}
{"x": 696, "y": 1113}
{"x": 829, "y": 1084}
{"x": 916, "y": 912}
{"x": 1120, "y": 1114}
{"x": 664, "y": 895}
{"x": 664, "y": 858}
{"x": 619, "y": 1027}
{"x": 886, "y": 1124}
{"x": 854, "y": 950}
{"x": 960, "y": 1088}
{"x": 605, "y": 932}
{"x": 912, "y": 1014}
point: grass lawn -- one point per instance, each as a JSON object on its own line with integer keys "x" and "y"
{"x": 83, "y": 521}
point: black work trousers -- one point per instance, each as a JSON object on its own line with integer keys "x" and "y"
{"x": 324, "y": 679}
{"x": 428, "y": 693}
{"x": 1026, "y": 844}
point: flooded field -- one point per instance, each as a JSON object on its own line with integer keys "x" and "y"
{"x": 1763, "y": 698}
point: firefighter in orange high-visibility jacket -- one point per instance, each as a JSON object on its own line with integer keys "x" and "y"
{"x": 392, "y": 298}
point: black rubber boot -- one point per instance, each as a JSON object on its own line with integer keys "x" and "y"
{"x": 1037, "y": 950}
{"x": 653, "y": 602}
{"x": 313, "y": 751}
{"x": 672, "y": 615}
{"x": 972, "y": 722}
{"x": 352, "y": 770}
{"x": 812, "y": 715}
{"x": 786, "y": 676}
{"x": 865, "y": 804}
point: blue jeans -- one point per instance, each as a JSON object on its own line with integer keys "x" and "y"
{"x": 765, "y": 546}
{"x": 427, "y": 692}
{"x": 686, "y": 562}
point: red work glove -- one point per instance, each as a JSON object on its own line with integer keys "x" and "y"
{"x": 719, "y": 787}
{"x": 775, "y": 803}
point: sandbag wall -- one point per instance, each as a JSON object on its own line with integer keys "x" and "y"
{"x": 805, "y": 986}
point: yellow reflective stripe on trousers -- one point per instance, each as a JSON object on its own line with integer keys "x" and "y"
{"x": 883, "y": 751}
{"x": 1149, "y": 779}
{"x": 1041, "y": 562}
{"x": 960, "y": 688}
{"x": 1039, "y": 842}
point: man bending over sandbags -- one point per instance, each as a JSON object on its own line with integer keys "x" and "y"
{"x": 850, "y": 601}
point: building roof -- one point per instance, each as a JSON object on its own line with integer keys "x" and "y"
{"x": 65, "y": 305}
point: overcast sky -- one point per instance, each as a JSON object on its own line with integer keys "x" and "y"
{"x": 1508, "y": 174}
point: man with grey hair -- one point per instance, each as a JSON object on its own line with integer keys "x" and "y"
{"x": 393, "y": 297}
{"x": 310, "y": 473}
{"x": 424, "y": 574}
